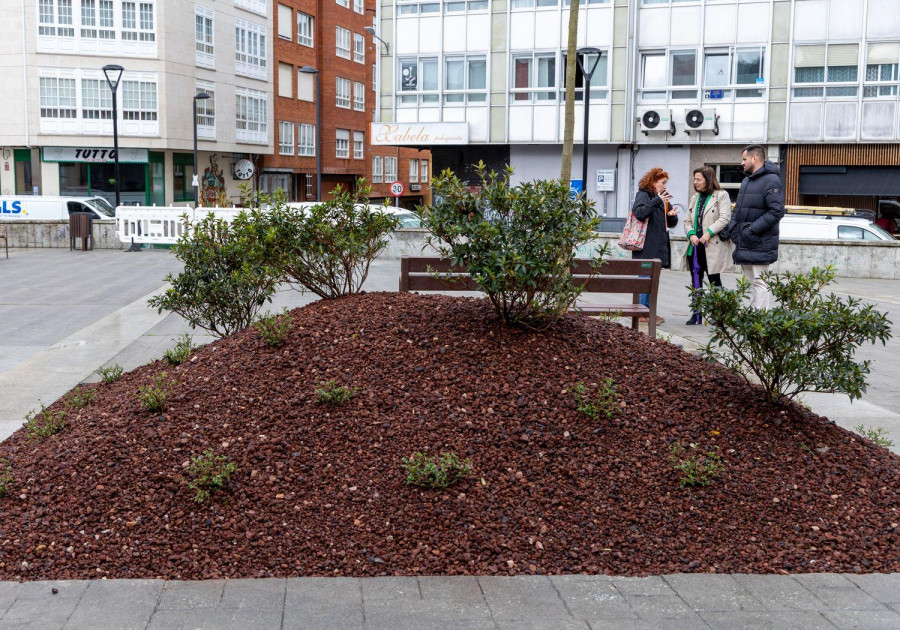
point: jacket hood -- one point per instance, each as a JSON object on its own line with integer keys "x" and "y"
{"x": 767, "y": 167}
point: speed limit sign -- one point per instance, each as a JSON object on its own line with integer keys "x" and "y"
{"x": 396, "y": 189}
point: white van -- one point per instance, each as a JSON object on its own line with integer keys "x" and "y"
{"x": 806, "y": 227}
{"x": 40, "y": 208}
{"x": 408, "y": 218}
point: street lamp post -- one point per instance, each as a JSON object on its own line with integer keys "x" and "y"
{"x": 371, "y": 31}
{"x": 581, "y": 56}
{"x": 113, "y": 74}
{"x": 197, "y": 97}
{"x": 313, "y": 71}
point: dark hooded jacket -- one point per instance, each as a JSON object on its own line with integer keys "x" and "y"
{"x": 754, "y": 222}
{"x": 650, "y": 208}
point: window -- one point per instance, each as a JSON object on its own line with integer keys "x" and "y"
{"x": 359, "y": 48}
{"x": 88, "y": 18}
{"x": 359, "y": 96}
{"x": 882, "y": 61}
{"x": 730, "y": 177}
{"x": 669, "y": 75}
{"x": 250, "y": 117}
{"x": 306, "y": 87}
{"x": 342, "y": 93}
{"x": 342, "y": 42}
{"x": 413, "y": 171}
{"x": 250, "y": 49}
{"x": 96, "y": 100}
{"x": 285, "y": 20}
{"x": 342, "y": 144}
{"x": 304, "y": 29}
{"x": 58, "y": 98}
{"x": 530, "y": 4}
{"x": 358, "y": 6}
{"x": 818, "y": 68}
{"x": 285, "y": 138}
{"x": 344, "y": 3}
{"x": 256, "y": 6}
{"x": 203, "y": 37}
{"x": 418, "y": 81}
{"x": 377, "y": 169}
{"x": 105, "y": 19}
{"x": 390, "y": 169}
{"x": 531, "y": 72}
{"x": 138, "y": 21}
{"x": 139, "y": 100}
{"x": 853, "y": 233}
{"x": 306, "y": 140}
{"x": 55, "y": 18}
{"x": 599, "y": 77}
{"x": 309, "y": 186}
{"x": 358, "y": 148}
{"x": 206, "y": 110}
{"x": 465, "y": 79}
{"x": 424, "y": 165}
{"x": 724, "y": 71}
{"x": 285, "y": 83}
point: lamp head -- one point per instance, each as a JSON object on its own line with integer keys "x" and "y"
{"x": 370, "y": 30}
{"x": 308, "y": 70}
{"x": 583, "y": 53}
{"x": 113, "y": 73}
{"x": 201, "y": 96}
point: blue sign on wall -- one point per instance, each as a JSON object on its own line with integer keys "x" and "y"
{"x": 576, "y": 187}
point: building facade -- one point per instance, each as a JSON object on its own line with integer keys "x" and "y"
{"x": 676, "y": 84}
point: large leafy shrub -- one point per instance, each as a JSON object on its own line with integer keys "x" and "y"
{"x": 326, "y": 248}
{"x": 227, "y": 276}
{"x": 805, "y": 343}
{"x": 518, "y": 242}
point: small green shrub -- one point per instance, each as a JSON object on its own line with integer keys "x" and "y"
{"x": 153, "y": 397}
{"x": 876, "y": 434}
{"x": 332, "y": 394}
{"x": 6, "y": 477}
{"x": 208, "y": 473}
{"x": 605, "y": 403}
{"x": 110, "y": 374}
{"x": 517, "y": 242}
{"x": 181, "y": 352}
{"x": 274, "y": 328}
{"x": 432, "y": 471}
{"x": 805, "y": 343}
{"x": 80, "y": 397}
{"x": 44, "y": 423}
{"x": 696, "y": 470}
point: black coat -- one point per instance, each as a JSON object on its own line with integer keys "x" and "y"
{"x": 649, "y": 207}
{"x": 754, "y": 222}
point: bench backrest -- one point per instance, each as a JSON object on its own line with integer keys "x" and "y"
{"x": 613, "y": 276}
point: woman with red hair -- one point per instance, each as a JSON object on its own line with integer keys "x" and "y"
{"x": 652, "y": 204}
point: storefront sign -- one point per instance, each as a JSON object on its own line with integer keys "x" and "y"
{"x": 419, "y": 134}
{"x": 94, "y": 154}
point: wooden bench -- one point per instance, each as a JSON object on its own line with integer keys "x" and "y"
{"x": 417, "y": 273}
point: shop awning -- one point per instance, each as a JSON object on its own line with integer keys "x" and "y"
{"x": 882, "y": 181}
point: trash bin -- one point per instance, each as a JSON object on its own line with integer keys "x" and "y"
{"x": 81, "y": 225}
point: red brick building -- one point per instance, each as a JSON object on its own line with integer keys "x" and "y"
{"x": 330, "y": 36}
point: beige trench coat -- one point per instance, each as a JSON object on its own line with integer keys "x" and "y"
{"x": 715, "y": 218}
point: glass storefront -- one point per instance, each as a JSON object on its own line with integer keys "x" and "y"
{"x": 140, "y": 183}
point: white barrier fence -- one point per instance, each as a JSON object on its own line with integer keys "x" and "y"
{"x": 157, "y": 225}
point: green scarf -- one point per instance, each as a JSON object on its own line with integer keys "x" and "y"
{"x": 698, "y": 216}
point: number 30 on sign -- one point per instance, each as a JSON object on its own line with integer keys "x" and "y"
{"x": 396, "y": 189}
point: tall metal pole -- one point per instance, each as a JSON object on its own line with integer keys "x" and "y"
{"x": 196, "y": 182}
{"x": 115, "y": 117}
{"x": 318, "y": 141}
{"x": 584, "y": 144}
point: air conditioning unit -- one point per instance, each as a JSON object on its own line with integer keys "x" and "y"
{"x": 657, "y": 120}
{"x": 701, "y": 120}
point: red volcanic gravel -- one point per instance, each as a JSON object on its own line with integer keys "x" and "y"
{"x": 321, "y": 491}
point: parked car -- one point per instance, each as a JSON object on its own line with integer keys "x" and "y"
{"x": 408, "y": 218}
{"x": 805, "y": 227}
{"x": 44, "y": 208}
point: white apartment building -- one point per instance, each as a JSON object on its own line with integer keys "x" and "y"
{"x": 56, "y": 127}
{"x": 679, "y": 84}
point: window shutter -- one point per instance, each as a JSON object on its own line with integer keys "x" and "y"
{"x": 888, "y": 52}
{"x": 843, "y": 55}
{"x": 809, "y": 56}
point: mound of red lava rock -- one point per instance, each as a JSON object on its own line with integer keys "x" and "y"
{"x": 322, "y": 490}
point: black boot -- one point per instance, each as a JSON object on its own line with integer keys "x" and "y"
{"x": 695, "y": 320}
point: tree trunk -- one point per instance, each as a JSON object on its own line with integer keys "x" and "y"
{"x": 569, "y": 126}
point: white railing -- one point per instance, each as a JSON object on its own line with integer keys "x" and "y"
{"x": 162, "y": 225}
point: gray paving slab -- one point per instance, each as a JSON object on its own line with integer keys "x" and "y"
{"x": 217, "y": 619}
{"x": 391, "y": 588}
{"x": 316, "y": 593}
{"x": 884, "y": 587}
{"x": 39, "y": 613}
{"x": 543, "y": 624}
{"x": 65, "y": 589}
{"x": 403, "y": 613}
{"x": 346, "y": 617}
{"x": 116, "y": 605}
{"x": 179, "y": 595}
{"x": 868, "y": 619}
{"x": 588, "y": 597}
{"x": 688, "y": 622}
{"x": 644, "y": 586}
{"x": 780, "y": 592}
{"x": 254, "y": 594}
{"x": 713, "y": 592}
{"x": 527, "y": 598}
{"x": 823, "y": 580}
{"x": 853, "y": 598}
{"x": 769, "y": 620}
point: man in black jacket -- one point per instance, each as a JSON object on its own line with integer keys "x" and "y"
{"x": 754, "y": 223}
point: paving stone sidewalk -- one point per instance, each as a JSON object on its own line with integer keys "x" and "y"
{"x": 682, "y": 601}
